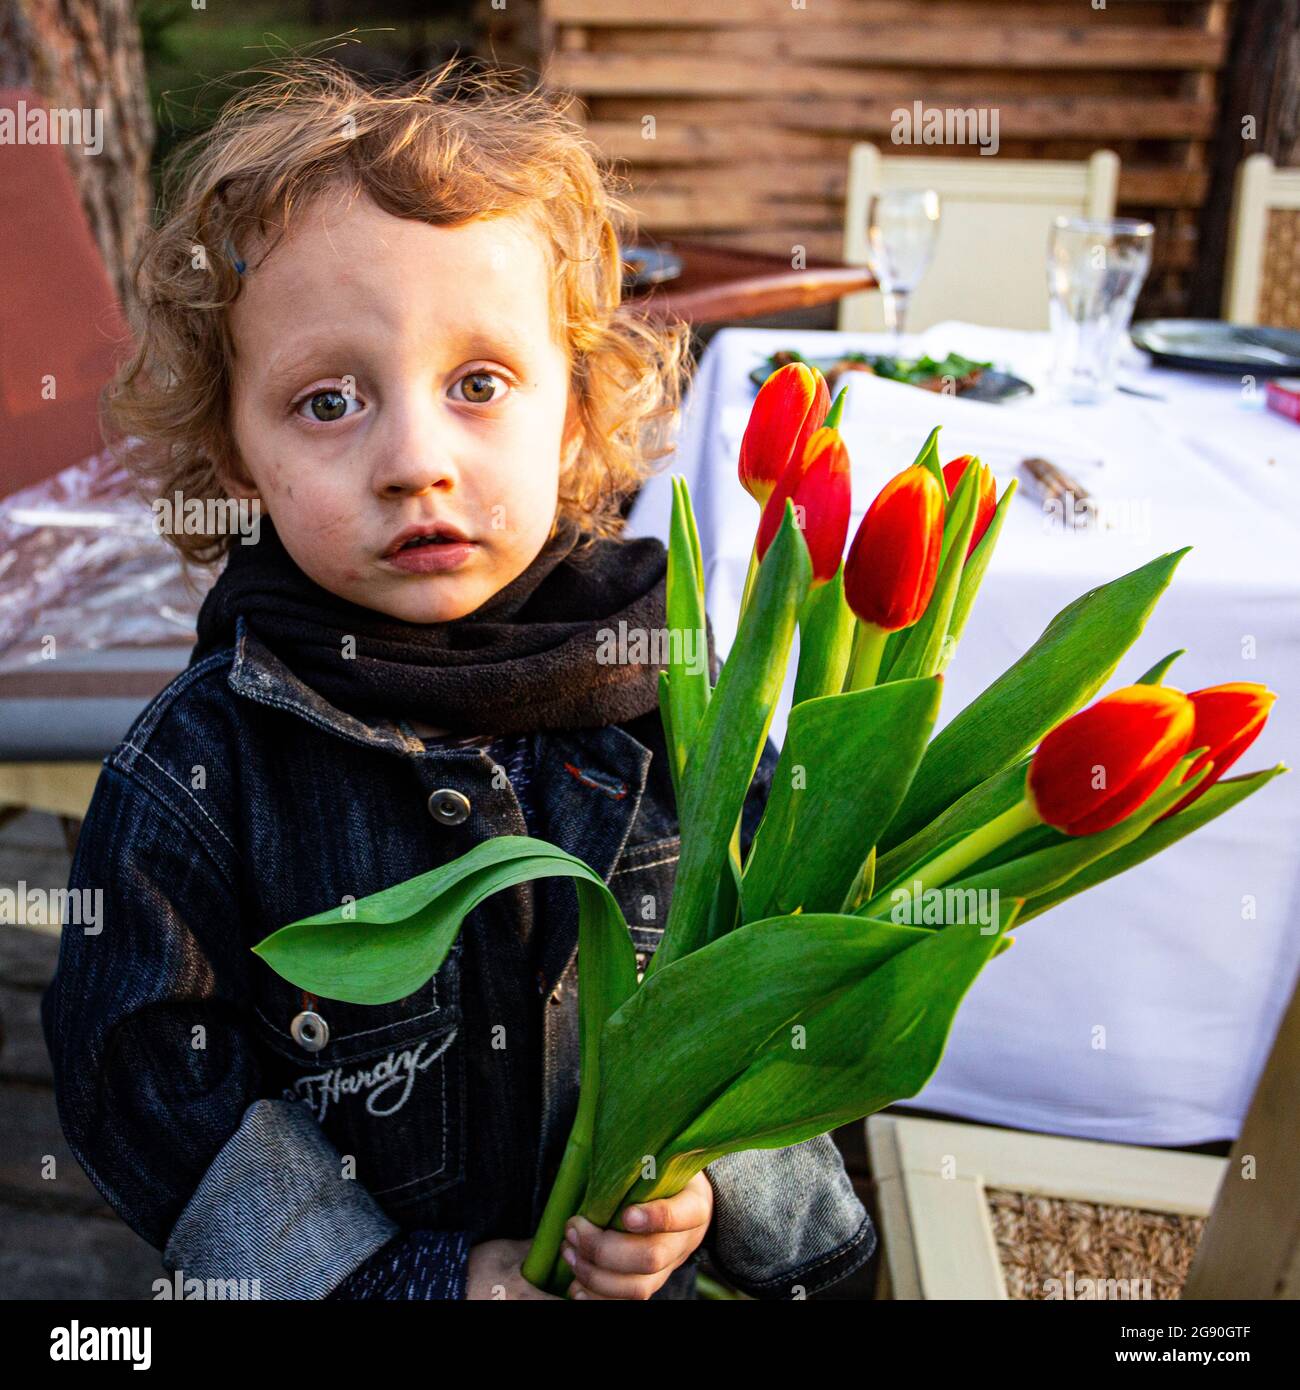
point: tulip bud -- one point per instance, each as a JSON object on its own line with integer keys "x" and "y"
{"x": 987, "y": 503}
{"x": 818, "y": 483}
{"x": 893, "y": 562}
{"x": 1101, "y": 764}
{"x": 1229, "y": 718}
{"x": 790, "y": 405}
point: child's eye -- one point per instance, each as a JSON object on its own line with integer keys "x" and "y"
{"x": 481, "y": 388}
{"x": 327, "y": 406}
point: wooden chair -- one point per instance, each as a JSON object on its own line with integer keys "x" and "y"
{"x": 990, "y": 263}
{"x": 971, "y": 1211}
{"x": 1262, "y": 285}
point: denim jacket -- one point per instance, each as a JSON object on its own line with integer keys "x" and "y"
{"x": 246, "y": 1146}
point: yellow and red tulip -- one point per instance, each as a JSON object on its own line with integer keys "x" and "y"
{"x": 894, "y": 559}
{"x": 791, "y": 404}
{"x": 819, "y": 484}
{"x": 1101, "y": 764}
{"x": 1229, "y": 718}
{"x": 987, "y": 503}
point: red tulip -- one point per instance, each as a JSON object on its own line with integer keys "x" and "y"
{"x": 1101, "y": 764}
{"x": 790, "y": 405}
{"x": 1229, "y": 719}
{"x": 894, "y": 559}
{"x": 819, "y": 484}
{"x": 988, "y": 498}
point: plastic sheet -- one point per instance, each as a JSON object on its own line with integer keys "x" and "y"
{"x": 80, "y": 562}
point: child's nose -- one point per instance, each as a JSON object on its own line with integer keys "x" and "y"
{"x": 413, "y": 459}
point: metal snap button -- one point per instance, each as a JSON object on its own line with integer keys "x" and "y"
{"x": 448, "y": 806}
{"x": 310, "y": 1031}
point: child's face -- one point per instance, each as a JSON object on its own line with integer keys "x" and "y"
{"x": 390, "y": 374}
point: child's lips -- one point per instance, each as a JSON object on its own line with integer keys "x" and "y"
{"x": 434, "y": 558}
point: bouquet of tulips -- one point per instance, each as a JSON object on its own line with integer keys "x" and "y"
{"x": 815, "y": 980}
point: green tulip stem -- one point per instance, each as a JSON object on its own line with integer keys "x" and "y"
{"x": 868, "y": 648}
{"x": 946, "y": 865}
{"x": 750, "y": 578}
{"x": 539, "y": 1266}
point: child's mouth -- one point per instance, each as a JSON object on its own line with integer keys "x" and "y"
{"x": 430, "y": 554}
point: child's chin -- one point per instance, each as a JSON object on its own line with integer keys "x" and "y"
{"x": 443, "y": 600}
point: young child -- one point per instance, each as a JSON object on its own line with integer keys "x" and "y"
{"x": 390, "y": 319}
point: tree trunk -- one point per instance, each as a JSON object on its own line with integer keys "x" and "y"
{"x": 85, "y": 55}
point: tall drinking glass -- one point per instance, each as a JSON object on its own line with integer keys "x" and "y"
{"x": 902, "y": 227}
{"x": 1094, "y": 272}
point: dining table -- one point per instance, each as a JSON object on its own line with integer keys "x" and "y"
{"x": 716, "y": 284}
{"x": 1143, "y": 1010}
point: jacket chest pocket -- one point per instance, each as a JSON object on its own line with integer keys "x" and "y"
{"x": 642, "y": 882}
{"x": 385, "y": 1082}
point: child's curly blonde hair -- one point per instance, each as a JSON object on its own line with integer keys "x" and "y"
{"x": 446, "y": 149}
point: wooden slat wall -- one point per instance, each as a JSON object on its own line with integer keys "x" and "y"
{"x": 756, "y": 103}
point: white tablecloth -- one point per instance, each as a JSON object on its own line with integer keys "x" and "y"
{"x": 1143, "y": 1010}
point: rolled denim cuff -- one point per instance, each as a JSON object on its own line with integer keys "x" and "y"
{"x": 274, "y": 1207}
{"x": 786, "y": 1222}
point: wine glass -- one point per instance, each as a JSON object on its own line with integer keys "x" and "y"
{"x": 902, "y": 228}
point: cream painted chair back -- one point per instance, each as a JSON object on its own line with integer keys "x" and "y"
{"x": 1262, "y": 285}
{"x": 990, "y": 263}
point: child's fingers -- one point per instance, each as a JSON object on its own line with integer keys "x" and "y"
{"x": 577, "y": 1290}
{"x": 692, "y": 1207}
{"x": 593, "y": 1281}
{"x": 618, "y": 1253}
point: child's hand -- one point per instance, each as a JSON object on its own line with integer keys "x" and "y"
{"x": 637, "y": 1262}
{"x": 494, "y": 1272}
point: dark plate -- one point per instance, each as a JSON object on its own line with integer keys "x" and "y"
{"x": 644, "y": 266}
{"x": 993, "y": 387}
{"x": 1209, "y": 345}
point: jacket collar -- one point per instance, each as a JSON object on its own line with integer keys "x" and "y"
{"x": 258, "y": 674}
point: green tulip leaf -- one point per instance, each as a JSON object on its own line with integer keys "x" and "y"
{"x": 851, "y": 1053}
{"x": 972, "y": 575}
{"x": 730, "y": 739}
{"x": 923, "y": 652}
{"x": 825, "y": 637}
{"x": 1156, "y": 674}
{"x": 688, "y": 663}
{"x": 845, "y": 766}
{"x": 929, "y": 458}
{"x": 696, "y": 1024}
